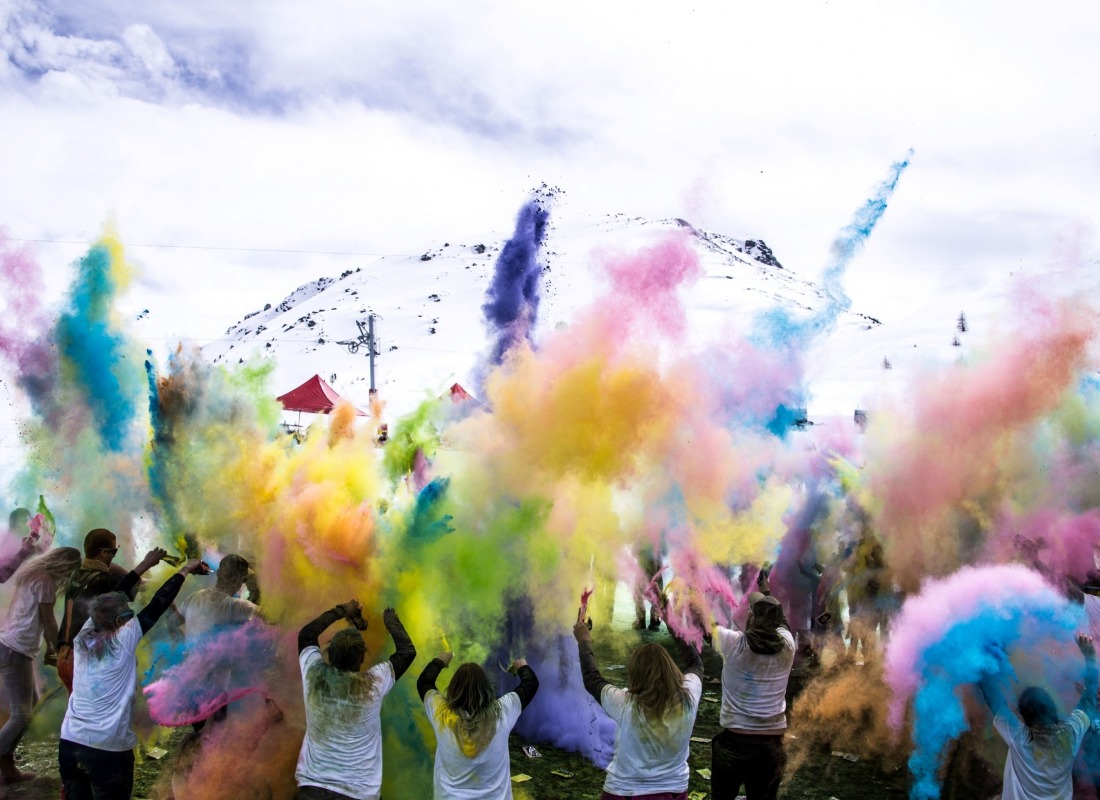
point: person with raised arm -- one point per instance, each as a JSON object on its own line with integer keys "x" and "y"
{"x": 19, "y": 523}
{"x": 471, "y": 727}
{"x": 655, "y": 715}
{"x": 341, "y": 755}
{"x": 96, "y": 575}
{"x": 756, "y": 667}
{"x": 96, "y": 751}
{"x": 1041, "y": 745}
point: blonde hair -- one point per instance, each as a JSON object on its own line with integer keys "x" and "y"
{"x": 656, "y": 683}
{"x": 471, "y": 709}
{"x": 58, "y": 565}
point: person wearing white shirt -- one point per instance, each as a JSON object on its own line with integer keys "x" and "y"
{"x": 471, "y": 727}
{"x": 96, "y": 751}
{"x": 341, "y": 755}
{"x": 1042, "y": 748}
{"x": 655, "y": 715}
{"x": 756, "y": 667}
{"x": 209, "y": 612}
{"x": 30, "y": 615}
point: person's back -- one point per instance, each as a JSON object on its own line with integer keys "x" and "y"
{"x": 464, "y": 766}
{"x": 218, "y": 608}
{"x": 471, "y": 729}
{"x": 655, "y": 715}
{"x": 1041, "y": 746}
{"x": 343, "y": 742}
{"x": 1040, "y": 762}
{"x": 341, "y": 753}
{"x": 651, "y": 755}
{"x": 754, "y": 685}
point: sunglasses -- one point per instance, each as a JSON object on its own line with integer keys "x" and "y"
{"x": 125, "y": 616}
{"x": 112, "y": 550}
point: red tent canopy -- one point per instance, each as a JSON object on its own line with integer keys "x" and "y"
{"x": 458, "y": 394}
{"x": 314, "y": 396}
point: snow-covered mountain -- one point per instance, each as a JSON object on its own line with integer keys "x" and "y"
{"x": 428, "y": 316}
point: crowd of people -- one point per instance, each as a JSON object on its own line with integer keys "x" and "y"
{"x": 93, "y": 648}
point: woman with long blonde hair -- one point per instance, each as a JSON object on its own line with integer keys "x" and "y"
{"x": 471, "y": 728}
{"x": 655, "y": 714}
{"x": 30, "y": 616}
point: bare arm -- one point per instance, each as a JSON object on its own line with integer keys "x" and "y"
{"x": 49, "y": 628}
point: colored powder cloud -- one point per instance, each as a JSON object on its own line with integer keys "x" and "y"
{"x": 955, "y": 633}
{"x": 512, "y": 300}
{"x": 777, "y": 327}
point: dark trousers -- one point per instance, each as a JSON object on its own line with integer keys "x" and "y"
{"x": 756, "y": 762}
{"x": 91, "y": 774}
{"x": 317, "y": 793}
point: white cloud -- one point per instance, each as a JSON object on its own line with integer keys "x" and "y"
{"x": 373, "y": 128}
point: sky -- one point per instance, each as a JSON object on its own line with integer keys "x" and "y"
{"x": 244, "y": 148}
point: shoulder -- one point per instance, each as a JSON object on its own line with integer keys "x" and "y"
{"x": 510, "y": 704}
{"x": 1079, "y": 721}
{"x": 431, "y": 701}
{"x": 787, "y": 637}
{"x": 1006, "y": 724}
{"x": 309, "y": 656}
{"x": 131, "y": 632}
{"x": 41, "y": 587}
{"x": 727, "y": 638}
{"x": 383, "y": 671}
{"x": 694, "y": 684}
{"x": 613, "y": 698}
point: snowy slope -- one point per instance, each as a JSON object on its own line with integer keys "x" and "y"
{"x": 428, "y": 308}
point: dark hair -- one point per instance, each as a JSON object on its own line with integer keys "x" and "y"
{"x": 1037, "y": 708}
{"x": 340, "y": 680}
{"x": 346, "y": 650}
{"x": 470, "y": 690}
{"x": 655, "y": 682}
{"x": 98, "y": 539}
{"x": 232, "y": 571}
{"x": 471, "y": 709}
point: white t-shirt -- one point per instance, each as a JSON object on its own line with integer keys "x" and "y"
{"x": 754, "y": 686}
{"x": 485, "y": 776}
{"x": 342, "y": 749}
{"x": 1040, "y": 768}
{"x": 23, "y": 629}
{"x": 102, "y": 701}
{"x": 210, "y": 609}
{"x": 649, "y": 760}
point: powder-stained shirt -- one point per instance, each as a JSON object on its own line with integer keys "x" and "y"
{"x": 650, "y": 758}
{"x": 342, "y": 749}
{"x": 102, "y": 700}
{"x": 485, "y": 776}
{"x": 23, "y": 627}
{"x": 754, "y": 685}
{"x": 211, "y": 609}
{"x": 1040, "y": 767}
